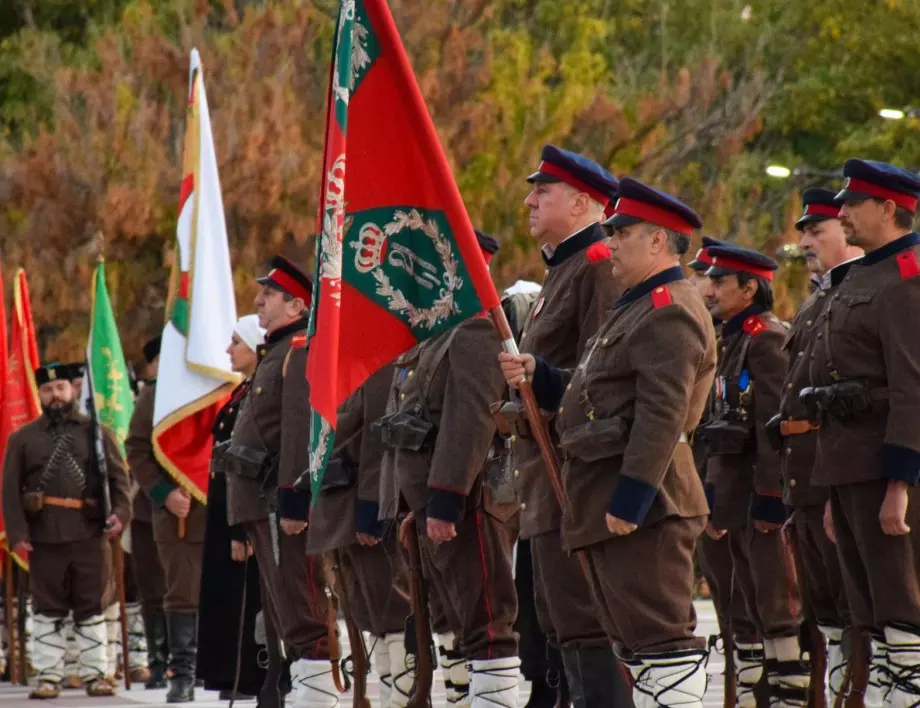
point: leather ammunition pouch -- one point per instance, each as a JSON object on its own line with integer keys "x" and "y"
{"x": 405, "y": 431}
{"x": 510, "y": 419}
{"x": 844, "y": 400}
{"x": 33, "y": 502}
{"x": 248, "y": 462}
{"x": 598, "y": 439}
{"x": 339, "y": 474}
{"x": 220, "y": 460}
{"x": 498, "y": 476}
{"x": 726, "y": 437}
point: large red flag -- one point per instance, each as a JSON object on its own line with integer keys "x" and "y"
{"x": 397, "y": 258}
{"x": 20, "y": 402}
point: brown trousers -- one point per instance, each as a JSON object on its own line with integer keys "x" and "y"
{"x": 765, "y": 573}
{"x": 67, "y": 577}
{"x": 823, "y": 595}
{"x": 644, "y": 586}
{"x": 565, "y": 606}
{"x": 181, "y": 561}
{"x": 716, "y": 563}
{"x": 472, "y": 575}
{"x": 375, "y": 578}
{"x": 148, "y": 571}
{"x": 293, "y": 591}
{"x": 880, "y": 572}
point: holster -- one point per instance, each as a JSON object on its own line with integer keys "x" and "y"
{"x": 340, "y": 473}
{"x": 510, "y": 419}
{"x": 404, "y": 431}
{"x": 726, "y": 437}
{"x": 845, "y": 400}
{"x": 33, "y": 502}
{"x": 247, "y": 461}
{"x": 774, "y": 432}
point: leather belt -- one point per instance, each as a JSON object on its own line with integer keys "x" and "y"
{"x": 63, "y": 502}
{"x": 788, "y": 428}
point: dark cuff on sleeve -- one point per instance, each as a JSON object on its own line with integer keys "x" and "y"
{"x": 445, "y": 505}
{"x": 293, "y": 505}
{"x": 901, "y": 463}
{"x": 547, "y": 385}
{"x": 160, "y": 491}
{"x": 769, "y": 509}
{"x": 238, "y": 533}
{"x": 631, "y": 500}
{"x": 367, "y": 522}
{"x": 710, "y": 491}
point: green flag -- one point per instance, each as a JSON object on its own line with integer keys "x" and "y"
{"x": 105, "y": 363}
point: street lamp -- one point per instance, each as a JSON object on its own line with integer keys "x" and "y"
{"x": 779, "y": 171}
{"x": 899, "y": 113}
{"x": 783, "y": 172}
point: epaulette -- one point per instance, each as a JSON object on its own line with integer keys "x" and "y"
{"x": 661, "y": 296}
{"x": 597, "y": 252}
{"x": 299, "y": 341}
{"x": 753, "y": 325}
{"x": 908, "y": 264}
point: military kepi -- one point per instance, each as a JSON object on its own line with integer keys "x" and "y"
{"x": 702, "y": 260}
{"x": 585, "y": 175}
{"x": 638, "y": 202}
{"x": 820, "y": 205}
{"x": 728, "y": 259}
{"x": 51, "y": 372}
{"x": 289, "y": 278}
{"x": 867, "y": 179}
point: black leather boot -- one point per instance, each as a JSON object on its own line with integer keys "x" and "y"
{"x": 183, "y": 648}
{"x": 542, "y": 695}
{"x": 596, "y": 678}
{"x": 157, "y": 648}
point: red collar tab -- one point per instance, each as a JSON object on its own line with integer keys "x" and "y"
{"x": 653, "y": 214}
{"x": 907, "y": 201}
{"x": 299, "y": 341}
{"x": 559, "y": 172}
{"x": 753, "y": 325}
{"x": 597, "y": 252}
{"x": 908, "y": 265}
{"x": 661, "y": 296}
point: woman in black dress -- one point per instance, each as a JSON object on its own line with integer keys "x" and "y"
{"x": 228, "y": 559}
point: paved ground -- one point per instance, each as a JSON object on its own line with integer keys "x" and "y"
{"x": 17, "y": 696}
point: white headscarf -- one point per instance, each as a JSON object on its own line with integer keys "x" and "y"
{"x": 250, "y": 332}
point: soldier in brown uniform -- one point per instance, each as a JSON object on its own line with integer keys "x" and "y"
{"x": 268, "y": 452}
{"x": 179, "y": 554}
{"x": 636, "y": 504}
{"x": 440, "y": 428}
{"x": 744, "y": 471}
{"x": 713, "y": 550}
{"x": 345, "y": 520}
{"x": 566, "y": 203}
{"x": 823, "y": 599}
{"x": 53, "y": 506}
{"x": 148, "y": 570}
{"x": 866, "y": 390}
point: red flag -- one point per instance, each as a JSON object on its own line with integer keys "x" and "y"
{"x": 397, "y": 259}
{"x": 20, "y": 402}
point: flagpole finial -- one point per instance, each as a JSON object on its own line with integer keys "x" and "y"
{"x": 100, "y": 247}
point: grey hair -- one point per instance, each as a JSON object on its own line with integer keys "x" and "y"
{"x": 678, "y": 243}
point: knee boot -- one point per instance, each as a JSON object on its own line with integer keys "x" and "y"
{"x": 454, "y": 668}
{"x": 495, "y": 682}
{"x": 595, "y": 678}
{"x": 182, "y": 628}
{"x": 788, "y": 673}
{"x": 157, "y": 649}
{"x": 673, "y": 678}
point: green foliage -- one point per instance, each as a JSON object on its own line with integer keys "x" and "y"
{"x": 696, "y": 96}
